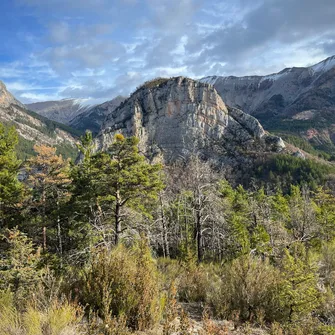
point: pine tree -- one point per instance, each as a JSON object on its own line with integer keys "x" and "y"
{"x": 324, "y": 205}
{"x": 299, "y": 295}
{"x": 11, "y": 189}
{"x": 48, "y": 179}
{"x": 123, "y": 178}
{"x": 83, "y": 208}
{"x": 19, "y": 264}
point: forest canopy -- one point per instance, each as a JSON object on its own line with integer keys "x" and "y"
{"x": 115, "y": 244}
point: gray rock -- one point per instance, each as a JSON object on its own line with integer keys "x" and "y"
{"x": 299, "y": 154}
{"x": 7, "y": 99}
{"x": 180, "y": 116}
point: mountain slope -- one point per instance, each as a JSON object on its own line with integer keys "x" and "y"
{"x": 177, "y": 117}
{"x": 298, "y": 101}
{"x": 74, "y": 113}
{"x": 33, "y": 128}
{"x": 62, "y": 111}
{"x": 92, "y": 118}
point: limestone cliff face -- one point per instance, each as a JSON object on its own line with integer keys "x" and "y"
{"x": 179, "y": 116}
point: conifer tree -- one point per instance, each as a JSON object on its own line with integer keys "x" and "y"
{"x": 10, "y": 187}
{"x": 324, "y": 205}
{"x": 48, "y": 179}
{"x": 19, "y": 264}
{"x": 123, "y": 178}
{"x": 299, "y": 295}
{"x": 83, "y": 208}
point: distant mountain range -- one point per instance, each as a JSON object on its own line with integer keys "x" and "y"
{"x": 75, "y": 113}
{"x": 62, "y": 111}
{"x": 93, "y": 117}
{"x": 296, "y": 102}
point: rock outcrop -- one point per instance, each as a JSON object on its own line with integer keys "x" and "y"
{"x": 180, "y": 116}
{"x": 7, "y": 99}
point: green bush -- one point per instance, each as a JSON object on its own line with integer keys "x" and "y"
{"x": 193, "y": 282}
{"x": 123, "y": 283}
{"x": 248, "y": 291}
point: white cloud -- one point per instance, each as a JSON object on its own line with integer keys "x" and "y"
{"x": 35, "y": 97}
{"x": 99, "y": 48}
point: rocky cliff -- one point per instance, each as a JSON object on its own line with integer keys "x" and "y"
{"x": 32, "y": 128}
{"x": 297, "y": 100}
{"x": 180, "y": 116}
{"x": 7, "y": 99}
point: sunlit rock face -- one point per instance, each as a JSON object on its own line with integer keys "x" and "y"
{"x": 178, "y": 117}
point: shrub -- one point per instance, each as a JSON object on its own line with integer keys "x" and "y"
{"x": 247, "y": 291}
{"x": 123, "y": 282}
{"x": 59, "y": 318}
{"x": 193, "y": 282}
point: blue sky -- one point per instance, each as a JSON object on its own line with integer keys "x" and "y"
{"x": 98, "y": 49}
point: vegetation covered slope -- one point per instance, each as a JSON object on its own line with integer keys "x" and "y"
{"x": 116, "y": 245}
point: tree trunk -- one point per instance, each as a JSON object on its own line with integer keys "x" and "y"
{"x": 44, "y": 239}
{"x": 165, "y": 232}
{"x": 59, "y": 233}
{"x": 118, "y": 227}
{"x": 44, "y": 219}
{"x": 199, "y": 236}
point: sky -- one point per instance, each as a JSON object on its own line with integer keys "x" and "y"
{"x": 98, "y": 49}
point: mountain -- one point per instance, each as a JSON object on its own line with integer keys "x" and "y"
{"x": 33, "y": 128}
{"x": 296, "y": 102}
{"x": 93, "y": 117}
{"x": 74, "y": 113}
{"x": 62, "y": 111}
{"x": 179, "y": 116}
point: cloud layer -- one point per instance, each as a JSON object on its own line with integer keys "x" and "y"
{"x": 97, "y": 49}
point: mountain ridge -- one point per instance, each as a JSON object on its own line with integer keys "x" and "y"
{"x": 62, "y": 111}
{"x": 76, "y": 114}
{"x": 33, "y": 128}
{"x": 297, "y": 100}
